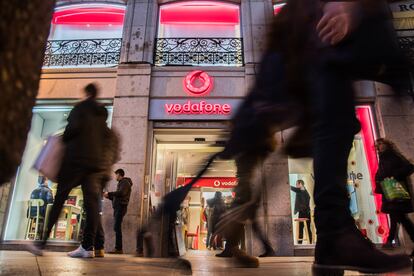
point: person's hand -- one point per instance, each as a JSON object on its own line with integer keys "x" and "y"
{"x": 338, "y": 21}
{"x": 105, "y": 194}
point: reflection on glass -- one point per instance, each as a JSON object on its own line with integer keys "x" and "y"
{"x": 33, "y": 194}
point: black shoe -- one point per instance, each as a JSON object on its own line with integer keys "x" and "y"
{"x": 36, "y": 248}
{"x": 116, "y": 251}
{"x": 350, "y": 250}
{"x": 149, "y": 245}
{"x": 183, "y": 265}
{"x": 225, "y": 254}
{"x": 242, "y": 259}
{"x": 268, "y": 253}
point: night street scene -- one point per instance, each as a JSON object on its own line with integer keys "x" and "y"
{"x": 207, "y": 137}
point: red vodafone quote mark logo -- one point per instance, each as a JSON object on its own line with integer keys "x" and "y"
{"x": 198, "y": 83}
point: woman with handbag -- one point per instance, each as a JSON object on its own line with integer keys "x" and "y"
{"x": 393, "y": 171}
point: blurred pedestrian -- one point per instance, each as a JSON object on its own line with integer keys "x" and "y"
{"x": 315, "y": 48}
{"x": 87, "y": 140}
{"x": 392, "y": 164}
{"x": 208, "y": 214}
{"x": 120, "y": 200}
{"x": 219, "y": 208}
{"x": 348, "y": 41}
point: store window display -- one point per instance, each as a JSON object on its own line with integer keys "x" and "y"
{"x": 32, "y": 196}
{"x": 302, "y": 210}
{"x": 362, "y": 201}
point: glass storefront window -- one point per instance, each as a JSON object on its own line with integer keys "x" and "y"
{"x": 199, "y": 19}
{"x": 362, "y": 164}
{"x": 33, "y": 195}
{"x": 87, "y": 21}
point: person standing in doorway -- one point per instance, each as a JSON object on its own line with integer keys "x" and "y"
{"x": 302, "y": 208}
{"x": 392, "y": 164}
{"x": 120, "y": 200}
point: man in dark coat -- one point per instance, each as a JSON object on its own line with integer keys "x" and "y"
{"x": 302, "y": 207}
{"x": 85, "y": 139}
{"x": 120, "y": 200}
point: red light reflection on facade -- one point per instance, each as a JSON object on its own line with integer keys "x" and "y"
{"x": 368, "y": 138}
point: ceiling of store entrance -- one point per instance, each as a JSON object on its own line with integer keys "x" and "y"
{"x": 191, "y": 155}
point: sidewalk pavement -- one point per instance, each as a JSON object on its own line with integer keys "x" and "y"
{"x": 203, "y": 263}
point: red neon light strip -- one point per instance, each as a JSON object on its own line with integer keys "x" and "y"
{"x": 92, "y": 16}
{"x": 368, "y": 139}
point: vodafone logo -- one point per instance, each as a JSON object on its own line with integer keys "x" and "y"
{"x": 198, "y": 83}
{"x": 218, "y": 183}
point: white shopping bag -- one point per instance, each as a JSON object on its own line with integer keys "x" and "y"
{"x": 50, "y": 158}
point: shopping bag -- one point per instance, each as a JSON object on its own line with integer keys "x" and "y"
{"x": 394, "y": 190}
{"x": 50, "y": 158}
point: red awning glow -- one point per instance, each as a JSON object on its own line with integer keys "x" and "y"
{"x": 89, "y": 15}
{"x": 200, "y": 12}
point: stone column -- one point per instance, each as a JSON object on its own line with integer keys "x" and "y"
{"x": 274, "y": 216}
{"x": 256, "y": 18}
{"x": 139, "y": 31}
{"x": 130, "y": 120}
{"x": 130, "y": 117}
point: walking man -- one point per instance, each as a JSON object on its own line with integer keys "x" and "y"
{"x": 120, "y": 200}
{"x": 86, "y": 159}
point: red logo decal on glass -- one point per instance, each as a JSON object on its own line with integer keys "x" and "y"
{"x": 198, "y": 83}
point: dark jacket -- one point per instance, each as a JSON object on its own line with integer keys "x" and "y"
{"x": 85, "y": 140}
{"x": 122, "y": 194}
{"x": 302, "y": 200}
{"x": 218, "y": 206}
{"x": 392, "y": 164}
{"x": 44, "y": 193}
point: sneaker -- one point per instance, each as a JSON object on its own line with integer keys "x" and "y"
{"x": 116, "y": 251}
{"x": 242, "y": 259}
{"x": 36, "y": 248}
{"x": 99, "y": 253}
{"x": 350, "y": 250}
{"x": 81, "y": 252}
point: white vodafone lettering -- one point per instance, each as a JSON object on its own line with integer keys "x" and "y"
{"x": 218, "y": 183}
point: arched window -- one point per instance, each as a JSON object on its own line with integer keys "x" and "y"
{"x": 85, "y": 35}
{"x": 199, "y": 19}
{"x": 199, "y": 33}
{"x": 87, "y": 21}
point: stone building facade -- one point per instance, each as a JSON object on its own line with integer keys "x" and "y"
{"x": 137, "y": 84}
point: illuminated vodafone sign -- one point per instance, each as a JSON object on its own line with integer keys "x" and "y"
{"x": 204, "y": 81}
{"x": 199, "y": 106}
{"x": 202, "y": 107}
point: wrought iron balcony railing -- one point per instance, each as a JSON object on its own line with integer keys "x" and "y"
{"x": 407, "y": 45}
{"x": 82, "y": 53}
{"x": 199, "y": 51}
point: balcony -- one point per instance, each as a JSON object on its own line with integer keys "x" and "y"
{"x": 407, "y": 45}
{"x": 199, "y": 51}
{"x": 82, "y": 53}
